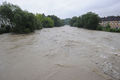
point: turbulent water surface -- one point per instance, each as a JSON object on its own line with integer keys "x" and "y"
{"x": 64, "y": 53}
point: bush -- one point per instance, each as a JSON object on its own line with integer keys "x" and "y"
{"x": 57, "y": 21}
{"x": 5, "y": 29}
{"x": 39, "y": 19}
{"x": 75, "y": 24}
{"x": 99, "y": 27}
{"x": 107, "y": 28}
{"x": 27, "y": 30}
{"x": 48, "y": 22}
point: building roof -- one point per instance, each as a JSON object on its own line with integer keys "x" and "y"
{"x": 111, "y": 18}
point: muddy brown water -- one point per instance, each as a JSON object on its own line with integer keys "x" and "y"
{"x": 64, "y": 53}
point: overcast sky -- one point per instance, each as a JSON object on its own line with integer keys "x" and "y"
{"x": 69, "y": 8}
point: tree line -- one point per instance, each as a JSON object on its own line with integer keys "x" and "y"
{"x": 14, "y": 19}
{"x": 91, "y": 21}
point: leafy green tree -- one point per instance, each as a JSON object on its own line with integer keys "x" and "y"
{"x": 7, "y": 9}
{"x": 48, "y": 22}
{"x": 90, "y": 20}
{"x": 23, "y": 21}
{"x": 79, "y": 22}
{"x": 73, "y": 21}
{"x": 40, "y": 18}
{"x": 57, "y": 21}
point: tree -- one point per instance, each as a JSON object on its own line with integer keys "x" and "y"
{"x": 79, "y": 22}
{"x": 90, "y": 20}
{"x": 25, "y": 22}
{"x": 6, "y": 16}
{"x": 40, "y": 18}
{"x": 73, "y": 21}
{"x": 48, "y": 22}
{"x": 22, "y": 21}
{"x": 67, "y": 21}
{"x": 57, "y": 21}
{"x": 7, "y": 9}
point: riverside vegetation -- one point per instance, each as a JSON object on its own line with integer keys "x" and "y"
{"x": 91, "y": 21}
{"x": 14, "y": 19}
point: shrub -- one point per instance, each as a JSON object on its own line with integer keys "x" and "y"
{"x": 5, "y": 29}
{"x": 27, "y": 30}
{"x": 39, "y": 19}
{"x": 99, "y": 27}
{"x": 57, "y": 21}
{"x": 48, "y": 22}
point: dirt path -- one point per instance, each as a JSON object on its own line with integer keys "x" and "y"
{"x": 64, "y": 53}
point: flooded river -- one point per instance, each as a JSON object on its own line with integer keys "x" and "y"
{"x": 63, "y": 53}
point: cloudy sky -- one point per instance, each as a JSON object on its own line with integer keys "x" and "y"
{"x": 69, "y": 8}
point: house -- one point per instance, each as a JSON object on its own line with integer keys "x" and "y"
{"x": 113, "y": 21}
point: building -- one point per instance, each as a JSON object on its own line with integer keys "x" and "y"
{"x": 113, "y": 21}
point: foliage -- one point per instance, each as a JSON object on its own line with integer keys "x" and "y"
{"x": 66, "y": 21}
{"x": 47, "y": 22}
{"x": 73, "y": 21}
{"x": 99, "y": 27}
{"x": 24, "y": 22}
{"x": 79, "y": 22}
{"x": 107, "y": 28}
{"x": 57, "y": 21}
{"x": 40, "y": 18}
{"x": 89, "y": 21}
{"x": 14, "y": 19}
{"x": 7, "y": 10}
{"x": 5, "y": 29}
